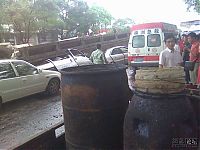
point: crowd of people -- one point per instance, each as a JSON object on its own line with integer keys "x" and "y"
{"x": 187, "y": 55}
{"x": 185, "y": 52}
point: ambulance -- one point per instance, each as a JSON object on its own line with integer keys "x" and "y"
{"x": 147, "y": 41}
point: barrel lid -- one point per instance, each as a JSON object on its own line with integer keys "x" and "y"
{"x": 160, "y": 80}
{"x": 93, "y": 69}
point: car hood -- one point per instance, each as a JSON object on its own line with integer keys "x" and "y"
{"x": 66, "y": 63}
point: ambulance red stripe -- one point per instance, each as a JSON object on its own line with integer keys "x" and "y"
{"x": 145, "y": 58}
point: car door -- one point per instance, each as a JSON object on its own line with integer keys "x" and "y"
{"x": 9, "y": 83}
{"x": 117, "y": 55}
{"x": 31, "y": 80}
{"x": 125, "y": 52}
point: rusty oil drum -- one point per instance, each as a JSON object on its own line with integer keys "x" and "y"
{"x": 195, "y": 101}
{"x": 95, "y": 99}
{"x": 160, "y": 121}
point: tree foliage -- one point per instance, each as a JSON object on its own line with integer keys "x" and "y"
{"x": 193, "y": 4}
{"x": 78, "y": 18}
{"x": 26, "y": 16}
{"x": 122, "y": 24}
{"x": 67, "y": 16}
{"x": 103, "y": 17}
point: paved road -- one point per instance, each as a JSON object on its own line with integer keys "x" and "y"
{"x": 22, "y": 119}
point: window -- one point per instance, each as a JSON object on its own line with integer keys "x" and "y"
{"x": 116, "y": 51}
{"x": 25, "y": 69}
{"x": 124, "y": 50}
{"x": 138, "y": 41}
{"x": 153, "y": 40}
{"x": 6, "y": 71}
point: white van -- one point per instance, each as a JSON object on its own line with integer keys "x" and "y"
{"x": 147, "y": 41}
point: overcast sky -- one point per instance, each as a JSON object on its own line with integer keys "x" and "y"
{"x": 171, "y": 11}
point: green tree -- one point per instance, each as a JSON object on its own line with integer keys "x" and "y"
{"x": 122, "y": 24}
{"x": 103, "y": 17}
{"x": 2, "y": 5}
{"x": 78, "y": 18}
{"x": 28, "y": 16}
{"x": 193, "y": 4}
{"x": 74, "y": 16}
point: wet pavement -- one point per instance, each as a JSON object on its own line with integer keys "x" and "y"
{"x": 25, "y": 118}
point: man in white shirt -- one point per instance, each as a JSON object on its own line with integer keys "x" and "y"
{"x": 170, "y": 57}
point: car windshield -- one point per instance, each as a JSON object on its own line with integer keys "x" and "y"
{"x": 138, "y": 41}
{"x": 153, "y": 40}
{"x": 76, "y": 52}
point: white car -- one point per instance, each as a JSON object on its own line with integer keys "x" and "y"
{"x": 19, "y": 78}
{"x": 72, "y": 58}
{"x": 118, "y": 54}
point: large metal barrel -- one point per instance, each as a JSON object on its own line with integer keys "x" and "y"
{"x": 95, "y": 99}
{"x": 195, "y": 101}
{"x": 160, "y": 119}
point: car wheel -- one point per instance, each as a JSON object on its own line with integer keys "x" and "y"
{"x": 53, "y": 86}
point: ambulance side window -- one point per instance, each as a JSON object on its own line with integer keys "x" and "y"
{"x": 138, "y": 41}
{"x": 153, "y": 40}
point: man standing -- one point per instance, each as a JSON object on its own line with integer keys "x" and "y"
{"x": 181, "y": 43}
{"x": 186, "y": 56}
{"x": 170, "y": 57}
{"x": 194, "y": 56}
{"x": 97, "y": 56}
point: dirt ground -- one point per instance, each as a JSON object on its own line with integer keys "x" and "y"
{"x": 24, "y": 118}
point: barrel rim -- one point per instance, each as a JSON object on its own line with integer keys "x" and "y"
{"x": 82, "y": 69}
{"x": 159, "y": 95}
